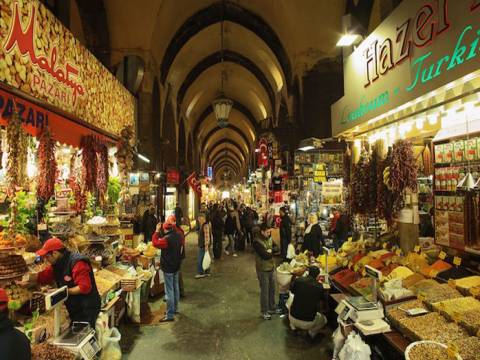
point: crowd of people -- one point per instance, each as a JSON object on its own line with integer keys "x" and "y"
{"x": 237, "y": 226}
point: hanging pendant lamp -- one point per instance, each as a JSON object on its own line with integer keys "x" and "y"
{"x": 222, "y": 105}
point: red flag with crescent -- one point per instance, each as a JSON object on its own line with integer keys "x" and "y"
{"x": 195, "y": 184}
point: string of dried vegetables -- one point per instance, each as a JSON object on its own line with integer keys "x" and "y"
{"x": 17, "y": 145}
{"x": 427, "y": 161}
{"x": 360, "y": 185}
{"x": 403, "y": 168}
{"x": 372, "y": 204}
{"x": 347, "y": 160}
{"x": 79, "y": 195}
{"x": 385, "y": 198}
{"x": 88, "y": 146}
{"x": 102, "y": 173}
{"x": 47, "y": 166}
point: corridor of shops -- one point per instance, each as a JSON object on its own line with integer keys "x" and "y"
{"x": 220, "y": 319}
{"x": 239, "y": 179}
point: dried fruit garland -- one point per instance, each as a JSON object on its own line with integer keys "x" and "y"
{"x": 385, "y": 198}
{"x": 17, "y": 145}
{"x": 47, "y": 166}
{"x": 360, "y": 185}
{"x": 403, "y": 169}
{"x": 102, "y": 167}
{"x": 88, "y": 146}
{"x": 372, "y": 204}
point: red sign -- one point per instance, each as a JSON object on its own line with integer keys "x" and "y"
{"x": 173, "y": 177}
{"x": 24, "y": 40}
{"x": 262, "y": 153}
{"x": 35, "y": 118}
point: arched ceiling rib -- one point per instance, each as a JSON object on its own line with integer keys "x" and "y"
{"x": 227, "y": 135}
{"x": 237, "y": 106}
{"x": 225, "y": 162}
{"x": 232, "y": 128}
{"x": 234, "y": 13}
{"x": 228, "y": 158}
{"x": 239, "y": 84}
{"x": 224, "y": 144}
{"x": 225, "y": 150}
{"x": 228, "y": 56}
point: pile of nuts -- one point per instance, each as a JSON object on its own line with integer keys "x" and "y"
{"x": 428, "y": 351}
{"x": 46, "y": 351}
{"x": 468, "y": 347}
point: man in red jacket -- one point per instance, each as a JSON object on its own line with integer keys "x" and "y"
{"x": 74, "y": 271}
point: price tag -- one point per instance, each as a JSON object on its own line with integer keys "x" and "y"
{"x": 452, "y": 351}
{"x": 457, "y": 261}
{"x": 417, "y": 249}
{"x": 42, "y": 227}
{"x": 433, "y": 273}
{"x": 442, "y": 255}
{"x": 452, "y": 284}
{"x": 421, "y": 296}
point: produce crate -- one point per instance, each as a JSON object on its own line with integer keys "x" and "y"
{"x": 130, "y": 285}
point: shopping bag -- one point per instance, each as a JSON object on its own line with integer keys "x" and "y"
{"x": 207, "y": 260}
{"x": 111, "y": 350}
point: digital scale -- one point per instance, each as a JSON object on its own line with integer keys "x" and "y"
{"x": 358, "y": 309}
{"x": 80, "y": 338}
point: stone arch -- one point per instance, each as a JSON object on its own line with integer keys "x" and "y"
{"x": 227, "y": 11}
{"x": 182, "y": 144}
{"x": 169, "y": 133}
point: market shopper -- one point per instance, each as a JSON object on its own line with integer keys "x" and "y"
{"x": 13, "y": 343}
{"x": 149, "y": 222}
{"x": 285, "y": 232}
{"x": 204, "y": 237}
{"x": 339, "y": 228}
{"x": 313, "y": 238}
{"x": 265, "y": 267}
{"x": 178, "y": 215}
{"x": 170, "y": 263}
{"x": 230, "y": 231}
{"x": 74, "y": 271}
{"x": 218, "y": 227}
{"x": 308, "y": 293}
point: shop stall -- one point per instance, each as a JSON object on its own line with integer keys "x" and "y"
{"x": 66, "y": 154}
{"x": 412, "y": 139}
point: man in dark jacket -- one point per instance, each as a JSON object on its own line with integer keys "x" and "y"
{"x": 170, "y": 262}
{"x": 285, "y": 233}
{"x": 74, "y": 271}
{"x": 265, "y": 266}
{"x": 178, "y": 214}
{"x": 308, "y": 293}
{"x": 149, "y": 223}
{"x": 218, "y": 227}
{"x": 13, "y": 343}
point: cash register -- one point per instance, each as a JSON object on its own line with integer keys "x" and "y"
{"x": 80, "y": 338}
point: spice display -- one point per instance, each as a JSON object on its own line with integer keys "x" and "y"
{"x": 434, "y": 292}
{"x": 453, "y": 308}
{"x": 397, "y": 314}
{"x": 428, "y": 351}
{"x": 412, "y": 280}
{"x": 47, "y": 166}
{"x": 46, "y": 351}
{"x": 468, "y": 348}
{"x": 17, "y": 145}
{"x": 89, "y": 162}
{"x": 468, "y": 282}
{"x": 435, "y": 268}
{"x": 432, "y": 326}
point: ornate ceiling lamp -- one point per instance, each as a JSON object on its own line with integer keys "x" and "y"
{"x": 222, "y": 105}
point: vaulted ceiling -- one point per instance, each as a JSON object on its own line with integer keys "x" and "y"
{"x": 267, "y": 45}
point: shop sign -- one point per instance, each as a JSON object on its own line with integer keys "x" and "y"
{"x": 35, "y": 118}
{"x": 40, "y": 57}
{"x": 420, "y": 47}
{"x": 173, "y": 177}
{"x": 210, "y": 172}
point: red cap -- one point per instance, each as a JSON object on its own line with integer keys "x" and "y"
{"x": 167, "y": 226}
{"x": 3, "y": 299}
{"x": 52, "y": 244}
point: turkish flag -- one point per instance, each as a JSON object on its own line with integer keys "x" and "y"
{"x": 195, "y": 184}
